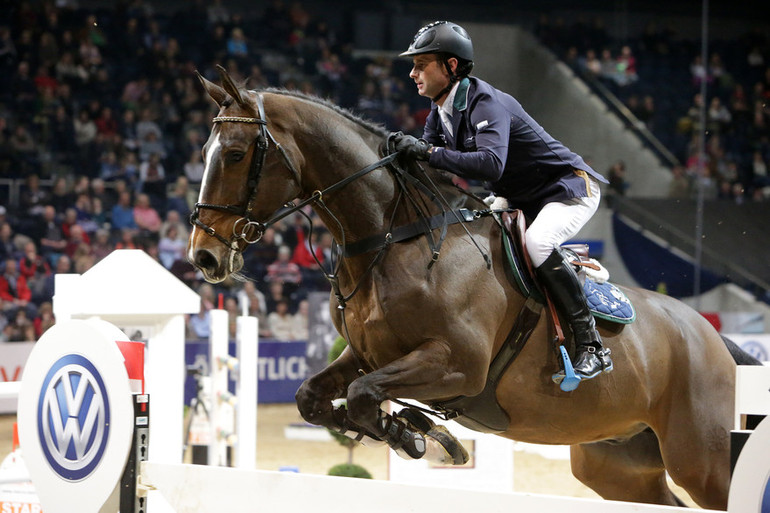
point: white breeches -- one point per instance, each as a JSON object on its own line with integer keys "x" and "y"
{"x": 559, "y": 221}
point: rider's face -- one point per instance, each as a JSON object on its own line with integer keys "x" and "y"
{"x": 429, "y": 74}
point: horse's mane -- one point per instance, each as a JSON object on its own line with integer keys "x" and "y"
{"x": 375, "y": 128}
{"x": 442, "y": 177}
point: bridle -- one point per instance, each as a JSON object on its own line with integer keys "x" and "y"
{"x": 247, "y": 225}
{"x": 249, "y": 230}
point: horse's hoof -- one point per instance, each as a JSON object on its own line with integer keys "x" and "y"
{"x": 443, "y": 448}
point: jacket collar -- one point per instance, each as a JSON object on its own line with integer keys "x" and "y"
{"x": 461, "y": 95}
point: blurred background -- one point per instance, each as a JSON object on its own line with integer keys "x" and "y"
{"x": 102, "y": 121}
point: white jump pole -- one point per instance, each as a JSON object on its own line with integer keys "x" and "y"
{"x": 247, "y": 340}
{"x": 218, "y": 340}
{"x": 198, "y": 488}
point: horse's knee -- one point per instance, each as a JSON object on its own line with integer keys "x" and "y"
{"x": 314, "y": 406}
{"x": 363, "y": 403}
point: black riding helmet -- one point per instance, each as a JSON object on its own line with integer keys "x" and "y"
{"x": 446, "y": 39}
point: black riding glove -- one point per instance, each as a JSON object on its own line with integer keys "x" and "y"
{"x": 412, "y": 147}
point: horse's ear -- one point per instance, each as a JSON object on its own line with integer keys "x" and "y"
{"x": 216, "y": 92}
{"x": 230, "y": 86}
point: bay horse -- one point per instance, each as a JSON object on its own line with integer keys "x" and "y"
{"x": 424, "y": 317}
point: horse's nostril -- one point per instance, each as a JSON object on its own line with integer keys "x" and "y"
{"x": 204, "y": 259}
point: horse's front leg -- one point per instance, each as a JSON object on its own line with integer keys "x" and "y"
{"x": 314, "y": 397}
{"x": 433, "y": 371}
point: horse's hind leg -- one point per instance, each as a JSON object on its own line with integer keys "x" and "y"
{"x": 631, "y": 470}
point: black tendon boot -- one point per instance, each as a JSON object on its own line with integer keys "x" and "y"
{"x": 564, "y": 288}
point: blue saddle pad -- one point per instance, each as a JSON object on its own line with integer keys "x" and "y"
{"x": 608, "y": 302}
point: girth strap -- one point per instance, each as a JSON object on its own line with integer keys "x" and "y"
{"x": 408, "y": 231}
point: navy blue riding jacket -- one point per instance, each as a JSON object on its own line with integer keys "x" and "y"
{"x": 496, "y": 141}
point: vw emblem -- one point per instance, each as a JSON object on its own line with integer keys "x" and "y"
{"x": 73, "y": 417}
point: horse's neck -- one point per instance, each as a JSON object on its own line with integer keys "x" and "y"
{"x": 364, "y": 206}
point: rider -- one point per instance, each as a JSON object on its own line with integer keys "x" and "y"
{"x": 478, "y": 132}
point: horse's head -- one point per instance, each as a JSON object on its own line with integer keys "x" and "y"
{"x": 244, "y": 181}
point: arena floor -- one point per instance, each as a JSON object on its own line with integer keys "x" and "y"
{"x": 533, "y": 473}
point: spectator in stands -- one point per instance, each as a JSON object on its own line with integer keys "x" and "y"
{"x": 101, "y": 244}
{"x": 127, "y": 239}
{"x": 7, "y": 247}
{"x": 152, "y": 179}
{"x": 44, "y": 319}
{"x": 122, "y": 215}
{"x": 591, "y": 64}
{"x": 109, "y": 167}
{"x": 150, "y": 146}
{"x": 85, "y": 138}
{"x": 300, "y": 321}
{"x": 193, "y": 168}
{"x": 760, "y": 177}
{"x": 284, "y": 271}
{"x": 718, "y": 116}
{"x": 62, "y": 138}
{"x": 626, "y": 67}
{"x": 20, "y": 328}
{"x": 237, "y": 45}
{"x": 52, "y": 240}
{"x": 199, "y": 324}
{"x": 61, "y": 196}
{"x": 257, "y": 306}
{"x": 171, "y": 247}
{"x": 78, "y": 243}
{"x": 127, "y": 130}
{"x": 698, "y": 71}
{"x": 14, "y": 291}
{"x": 35, "y": 269}
{"x": 106, "y": 124}
{"x": 33, "y": 197}
{"x": 608, "y": 66}
{"x": 280, "y": 321}
{"x": 181, "y": 198}
{"x": 145, "y": 216}
{"x": 25, "y": 149}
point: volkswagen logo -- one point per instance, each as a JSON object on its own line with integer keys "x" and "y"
{"x": 73, "y": 417}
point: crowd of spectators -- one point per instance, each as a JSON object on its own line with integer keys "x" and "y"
{"x": 658, "y": 76}
{"x": 103, "y": 119}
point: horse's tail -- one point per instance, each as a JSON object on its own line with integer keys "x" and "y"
{"x": 740, "y": 356}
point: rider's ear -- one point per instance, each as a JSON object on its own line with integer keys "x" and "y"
{"x": 453, "y": 63}
{"x": 230, "y": 86}
{"x": 216, "y": 92}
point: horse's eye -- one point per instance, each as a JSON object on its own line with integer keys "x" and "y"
{"x": 235, "y": 156}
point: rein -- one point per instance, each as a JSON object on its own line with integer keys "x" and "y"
{"x": 250, "y": 231}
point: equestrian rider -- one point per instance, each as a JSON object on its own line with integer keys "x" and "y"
{"x": 478, "y": 132}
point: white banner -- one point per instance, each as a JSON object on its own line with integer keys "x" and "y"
{"x": 13, "y": 356}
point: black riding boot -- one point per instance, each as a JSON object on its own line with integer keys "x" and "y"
{"x": 564, "y": 288}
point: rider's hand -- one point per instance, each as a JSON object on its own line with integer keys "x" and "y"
{"x": 412, "y": 147}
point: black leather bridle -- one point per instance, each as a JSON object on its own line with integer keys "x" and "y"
{"x": 247, "y": 229}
